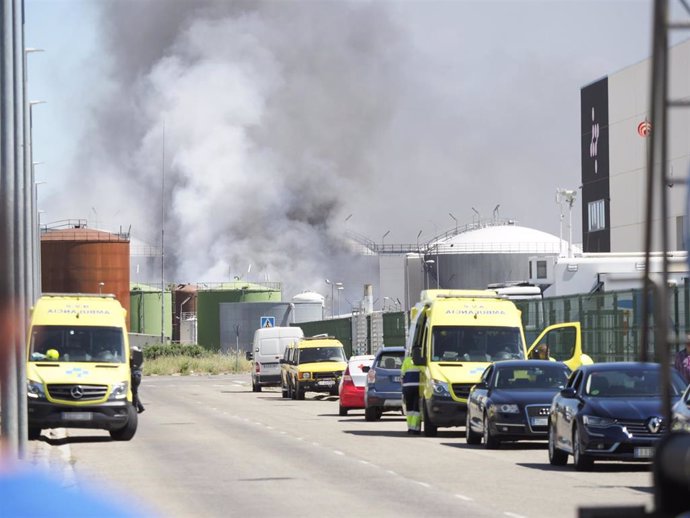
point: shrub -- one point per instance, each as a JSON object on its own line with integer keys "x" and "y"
{"x": 153, "y": 351}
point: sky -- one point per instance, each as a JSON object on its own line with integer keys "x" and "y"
{"x": 256, "y": 133}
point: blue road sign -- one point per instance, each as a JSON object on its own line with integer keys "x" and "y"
{"x": 268, "y": 322}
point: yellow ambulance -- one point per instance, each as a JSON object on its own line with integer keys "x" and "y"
{"x": 78, "y": 366}
{"x": 454, "y": 336}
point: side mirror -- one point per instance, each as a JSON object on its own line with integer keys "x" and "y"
{"x": 569, "y": 393}
{"x": 417, "y": 356}
{"x": 281, "y": 361}
{"x": 366, "y": 369}
{"x": 248, "y": 355}
{"x": 136, "y": 357}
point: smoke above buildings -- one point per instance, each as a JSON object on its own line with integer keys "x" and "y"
{"x": 254, "y": 130}
{"x": 254, "y": 119}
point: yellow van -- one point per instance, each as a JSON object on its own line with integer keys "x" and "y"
{"x": 78, "y": 366}
{"x": 455, "y": 335}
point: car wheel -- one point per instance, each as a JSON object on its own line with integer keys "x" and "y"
{"x": 291, "y": 391}
{"x": 342, "y": 410}
{"x": 556, "y": 457}
{"x": 490, "y": 440}
{"x": 430, "y": 429}
{"x": 34, "y": 433}
{"x": 255, "y": 386}
{"x": 127, "y": 431}
{"x": 583, "y": 462}
{"x": 372, "y": 413}
{"x": 299, "y": 390}
{"x": 471, "y": 436}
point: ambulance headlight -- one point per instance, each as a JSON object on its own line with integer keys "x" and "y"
{"x": 440, "y": 388}
{"x": 119, "y": 391}
{"x": 34, "y": 390}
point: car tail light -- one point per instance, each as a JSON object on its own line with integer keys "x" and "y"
{"x": 347, "y": 379}
{"x": 257, "y": 367}
{"x": 371, "y": 376}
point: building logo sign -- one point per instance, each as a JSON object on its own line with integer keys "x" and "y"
{"x": 644, "y": 128}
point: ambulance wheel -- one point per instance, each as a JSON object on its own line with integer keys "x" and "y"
{"x": 127, "y": 431}
{"x": 430, "y": 429}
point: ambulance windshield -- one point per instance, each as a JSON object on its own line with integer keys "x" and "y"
{"x": 476, "y": 344}
{"x": 77, "y": 344}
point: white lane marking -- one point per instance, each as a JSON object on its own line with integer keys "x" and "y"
{"x": 390, "y": 472}
{"x": 513, "y": 515}
{"x": 463, "y": 497}
{"x": 299, "y": 438}
{"x": 364, "y": 461}
{"x": 283, "y": 432}
{"x": 424, "y": 484}
{"x": 338, "y": 452}
{"x": 315, "y": 444}
{"x": 269, "y": 427}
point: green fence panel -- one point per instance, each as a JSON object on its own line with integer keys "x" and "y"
{"x": 340, "y": 328}
{"x": 394, "y": 329}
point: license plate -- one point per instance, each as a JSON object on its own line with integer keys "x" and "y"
{"x": 396, "y": 379}
{"x": 643, "y": 453}
{"x": 77, "y": 416}
{"x": 326, "y": 383}
{"x": 540, "y": 421}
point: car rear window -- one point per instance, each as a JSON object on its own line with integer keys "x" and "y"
{"x": 391, "y": 360}
{"x": 356, "y": 364}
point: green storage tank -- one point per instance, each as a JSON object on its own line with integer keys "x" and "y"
{"x": 145, "y": 310}
{"x": 209, "y": 298}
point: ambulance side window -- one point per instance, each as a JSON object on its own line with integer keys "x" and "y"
{"x": 420, "y": 333}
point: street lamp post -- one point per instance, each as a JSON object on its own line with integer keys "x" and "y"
{"x": 35, "y": 218}
{"x": 384, "y": 237}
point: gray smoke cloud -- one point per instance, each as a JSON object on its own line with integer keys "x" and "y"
{"x": 260, "y": 114}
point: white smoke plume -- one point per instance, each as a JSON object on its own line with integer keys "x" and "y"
{"x": 260, "y": 114}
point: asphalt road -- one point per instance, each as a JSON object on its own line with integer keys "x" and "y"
{"x": 209, "y": 446}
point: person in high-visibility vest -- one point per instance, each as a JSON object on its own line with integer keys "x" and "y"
{"x": 410, "y": 389}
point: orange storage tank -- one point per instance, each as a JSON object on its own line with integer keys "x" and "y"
{"x": 83, "y": 260}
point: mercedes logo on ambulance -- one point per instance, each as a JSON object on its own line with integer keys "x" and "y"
{"x": 77, "y": 392}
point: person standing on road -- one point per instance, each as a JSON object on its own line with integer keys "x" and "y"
{"x": 410, "y": 389}
{"x": 682, "y": 362}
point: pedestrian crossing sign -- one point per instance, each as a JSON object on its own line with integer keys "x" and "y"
{"x": 268, "y": 322}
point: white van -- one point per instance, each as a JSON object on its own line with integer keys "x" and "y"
{"x": 267, "y": 350}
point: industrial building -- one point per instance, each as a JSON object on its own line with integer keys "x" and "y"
{"x": 615, "y": 133}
